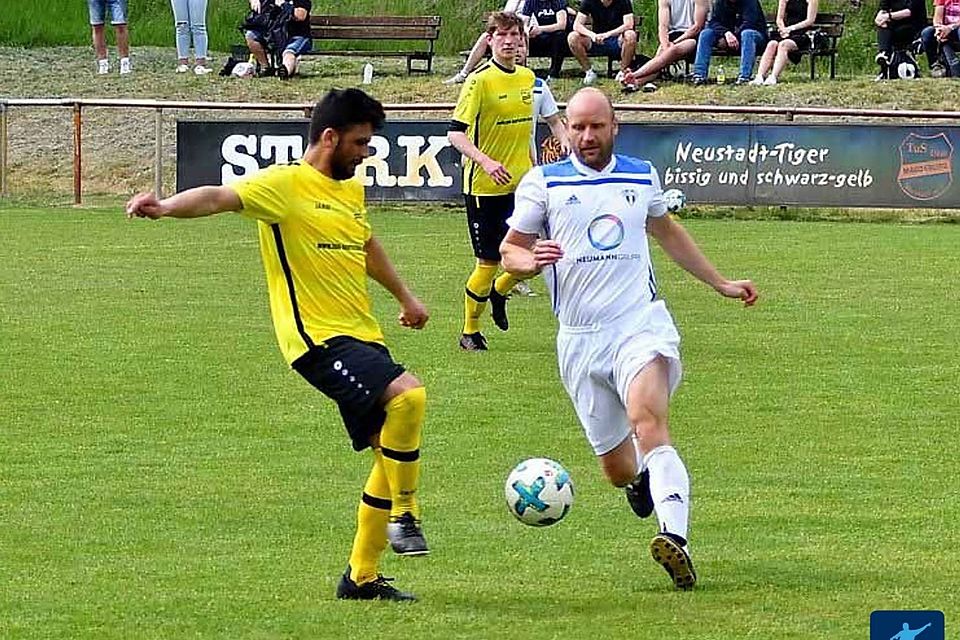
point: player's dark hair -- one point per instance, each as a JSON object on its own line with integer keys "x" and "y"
{"x": 503, "y": 20}
{"x": 341, "y": 109}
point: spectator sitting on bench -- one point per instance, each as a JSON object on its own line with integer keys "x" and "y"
{"x": 734, "y": 24}
{"x": 679, "y": 22}
{"x": 611, "y": 33}
{"x": 480, "y": 48}
{"x": 899, "y": 23}
{"x": 943, "y": 36}
{"x": 297, "y": 42}
{"x": 790, "y": 39}
{"x": 546, "y": 22}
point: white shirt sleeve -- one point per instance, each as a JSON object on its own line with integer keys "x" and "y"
{"x": 548, "y": 107}
{"x": 530, "y": 204}
{"x": 658, "y": 205}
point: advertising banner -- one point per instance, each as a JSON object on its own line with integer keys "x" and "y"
{"x": 836, "y": 165}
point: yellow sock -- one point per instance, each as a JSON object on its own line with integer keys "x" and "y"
{"x": 400, "y": 443}
{"x": 372, "y": 517}
{"x": 476, "y": 295}
{"x": 504, "y": 283}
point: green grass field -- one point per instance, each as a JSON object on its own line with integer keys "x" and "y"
{"x": 164, "y": 475}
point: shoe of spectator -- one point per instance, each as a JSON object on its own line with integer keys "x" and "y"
{"x": 125, "y": 66}
{"x": 283, "y": 73}
{"x": 770, "y": 81}
{"x": 937, "y": 70}
{"x": 523, "y": 289}
{"x": 201, "y": 70}
{"x": 103, "y": 67}
{"x": 266, "y": 72}
{"x": 741, "y": 81}
{"x": 648, "y": 88}
{"x": 629, "y": 87}
{"x": 589, "y": 77}
{"x": 699, "y": 81}
{"x": 758, "y": 80}
{"x": 458, "y": 78}
{"x": 182, "y": 68}
{"x": 882, "y": 59}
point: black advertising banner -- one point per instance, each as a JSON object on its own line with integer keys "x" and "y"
{"x": 738, "y": 164}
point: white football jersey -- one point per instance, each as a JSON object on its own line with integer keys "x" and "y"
{"x": 544, "y": 106}
{"x": 599, "y": 218}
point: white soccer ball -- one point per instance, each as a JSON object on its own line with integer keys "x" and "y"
{"x": 539, "y": 492}
{"x": 675, "y": 198}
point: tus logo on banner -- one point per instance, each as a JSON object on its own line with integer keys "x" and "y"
{"x": 906, "y": 625}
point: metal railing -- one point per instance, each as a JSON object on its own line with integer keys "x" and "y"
{"x": 160, "y": 106}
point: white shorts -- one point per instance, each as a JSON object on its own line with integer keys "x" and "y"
{"x": 597, "y": 365}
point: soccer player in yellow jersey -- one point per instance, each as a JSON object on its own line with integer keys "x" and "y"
{"x": 491, "y": 127}
{"x": 318, "y": 250}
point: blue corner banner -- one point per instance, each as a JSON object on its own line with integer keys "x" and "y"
{"x": 907, "y": 625}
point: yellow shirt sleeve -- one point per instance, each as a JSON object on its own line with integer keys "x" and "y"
{"x": 468, "y": 104}
{"x": 264, "y": 194}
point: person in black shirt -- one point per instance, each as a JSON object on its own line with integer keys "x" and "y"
{"x": 611, "y": 33}
{"x": 791, "y": 38}
{"x": 547, "y": 29}
{"x": 298, "y": 36}
{"x": 899, "y": 23}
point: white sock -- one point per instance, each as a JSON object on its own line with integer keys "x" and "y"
{"x": 670, "y": 489}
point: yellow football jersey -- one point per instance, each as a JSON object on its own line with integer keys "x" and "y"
{"x": 312, "y": 235}
{"x": 496, "y": 105}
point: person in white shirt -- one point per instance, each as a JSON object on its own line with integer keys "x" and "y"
{"x": 544, "y": 107}
{"x": 584, "y": 221}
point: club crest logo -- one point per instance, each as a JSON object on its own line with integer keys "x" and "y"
{"x": 630, "y": 195}
{"x": 926, "y": 166}
{"x": 527, "y": 96}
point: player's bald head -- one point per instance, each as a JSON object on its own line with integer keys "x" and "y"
{"x": 590, "y": 102}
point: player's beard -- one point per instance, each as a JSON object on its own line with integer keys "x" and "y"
{"x": 342, "y": 167}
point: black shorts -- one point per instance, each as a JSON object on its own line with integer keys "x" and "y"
{"x": 487, "y": 219}
{"x": 354, "y": 374}
{"x": 802, "y": 40}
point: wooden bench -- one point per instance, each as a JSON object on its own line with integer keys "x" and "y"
{"x": 420, "y": 31}
{"x": 827, "y": 29}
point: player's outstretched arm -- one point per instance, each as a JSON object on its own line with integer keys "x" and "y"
{"x": 192, "y": 203}
{"x": 413, "y": 313}
{"x": 684, "y": 251}
{"x": 523, "y": 254}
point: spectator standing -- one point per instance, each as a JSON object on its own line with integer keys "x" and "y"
{"x": 791, "y": 38}
{"x": 190, "y": 20}
{"x": 734, "y": 24}
{"x": 547, "y": 30}
{"x": 899, "y": 23}
{"x": 611, "y": 32}
{"x": 118, "y": 18}
{"x": 942, "y": 35}
{"x": 679, "y": 22}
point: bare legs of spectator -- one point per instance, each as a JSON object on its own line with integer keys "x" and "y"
{"x": 258, "y": 52}
{"x": 290, "y": 61}
{"x": 628, "y": 48}
{"x": 665, "y": 57}
{"x": 476, "y": 55}
{"x": 100, "y": 47}
{"x": 774, "y": 61}
{"x": 579, "y": 47}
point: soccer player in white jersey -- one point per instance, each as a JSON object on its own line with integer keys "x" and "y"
{"x": 584, "y": 221}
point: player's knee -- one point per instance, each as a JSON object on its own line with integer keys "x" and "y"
{"x": 405, "y": 413}
{"x": 650, "y": 427}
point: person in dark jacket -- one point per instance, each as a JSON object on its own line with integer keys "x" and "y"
{"x": 899, "y": 23}
{"x": 736, "y": 25}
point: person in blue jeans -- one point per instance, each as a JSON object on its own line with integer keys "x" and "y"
{"x": 942, "y": 36}
{"x": 190, "y": 19}
{"x": 117, "y": 9}
{"x": 735, "y": 24}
